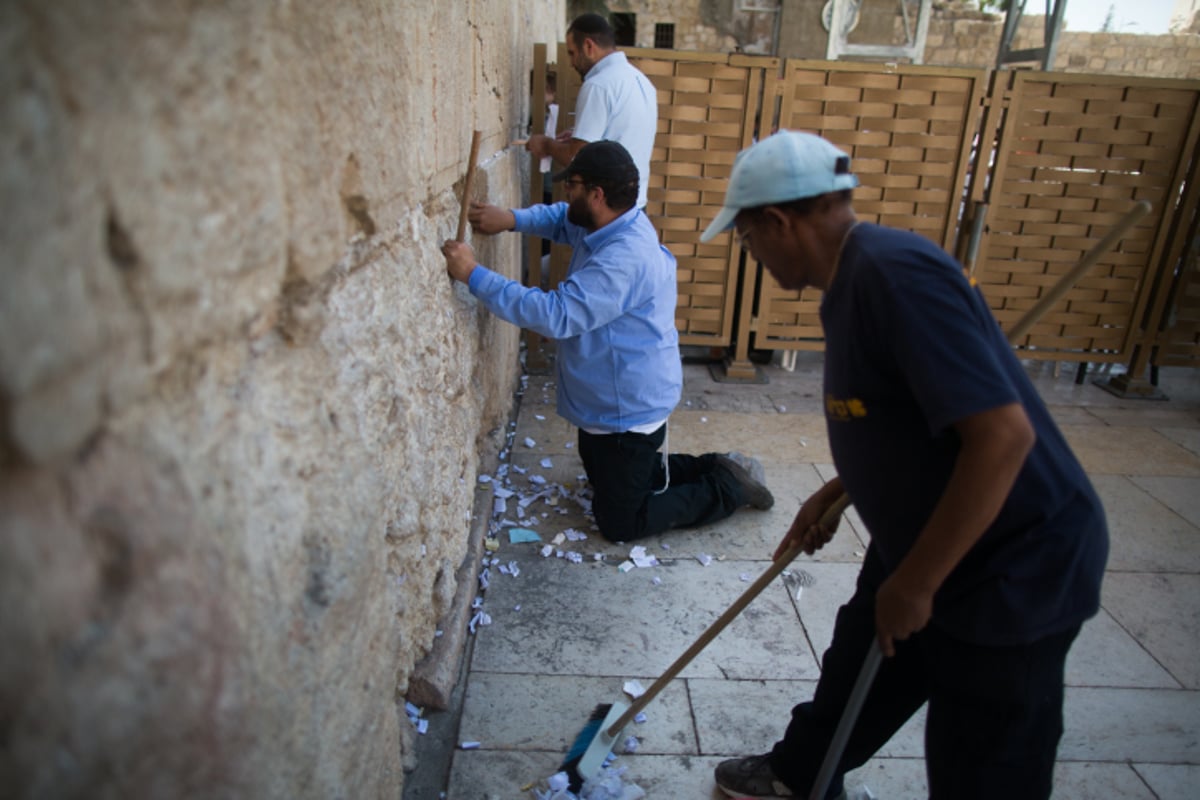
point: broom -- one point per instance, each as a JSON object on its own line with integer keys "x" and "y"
{"x": 594, "y": 743}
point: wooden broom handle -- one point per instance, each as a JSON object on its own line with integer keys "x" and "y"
{"x": 777, "y": 566}
{"x": 466, "y": 196}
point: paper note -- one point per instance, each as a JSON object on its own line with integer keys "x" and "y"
{"x": 521, "y": 535}
{"x": 551, "y": 128}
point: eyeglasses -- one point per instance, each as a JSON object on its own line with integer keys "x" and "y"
{"x": 742, "y": 238}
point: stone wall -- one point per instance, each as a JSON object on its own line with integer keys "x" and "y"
{"x": 707, "y": 26}
{"x": 959, "y": 35}
{"x": 242, "y": 404}
{"x": 962, "y": 37}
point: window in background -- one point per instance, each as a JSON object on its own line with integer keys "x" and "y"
{"x": 664, "y": 35}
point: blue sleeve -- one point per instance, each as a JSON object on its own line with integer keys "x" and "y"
{"x": 590, "y": 298}
{"x": 548, "y": 222}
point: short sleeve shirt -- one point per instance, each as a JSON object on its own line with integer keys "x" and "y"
{"x": 912, "y": 348}
{"x": 617, "y": 102}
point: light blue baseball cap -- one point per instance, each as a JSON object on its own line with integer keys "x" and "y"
{"x": 788, "y": 165}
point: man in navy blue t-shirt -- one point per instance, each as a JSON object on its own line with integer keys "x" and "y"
{"x": 988, "y": 542}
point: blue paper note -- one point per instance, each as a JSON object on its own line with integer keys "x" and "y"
{"x": 517, "y": 535}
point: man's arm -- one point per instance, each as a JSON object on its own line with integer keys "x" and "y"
{"x": 994, "y": 445}
{"x": 460, "y": 260}
{"x": 562, "y": 152}
{"x": 485, "y": 218}
{"x": 490, "y": 219}
{"x": 805, "y": 529}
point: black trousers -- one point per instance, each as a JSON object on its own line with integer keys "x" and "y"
{"x": 626, "y": 472}
{"x": 994, "y": 719}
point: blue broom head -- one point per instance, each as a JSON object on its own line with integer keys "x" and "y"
{"x": 570, "y": 764}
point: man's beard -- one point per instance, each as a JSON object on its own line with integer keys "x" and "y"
{"x": 579, "y": 214}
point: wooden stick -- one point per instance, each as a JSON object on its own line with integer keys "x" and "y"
{"x": 466, "y": 196}
{"x": 831, "y": 515}
{"x": 1067, "y": 281}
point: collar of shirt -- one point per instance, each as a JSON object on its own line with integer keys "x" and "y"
{"x": 610, "y": 61}
{"x": 597, "y": 238}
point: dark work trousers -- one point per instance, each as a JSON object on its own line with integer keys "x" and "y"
{"x": 626, "y": 469}
{"x": 994, "y": 717}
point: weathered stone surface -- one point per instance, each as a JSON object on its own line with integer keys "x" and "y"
{"x": 242, "y": 404}
{"x": 434, "y": 677}
{"x": 959, "y": 34}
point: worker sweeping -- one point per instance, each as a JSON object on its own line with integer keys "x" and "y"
{"x": 619, "y": 373}
{"x": 988, "y": 543}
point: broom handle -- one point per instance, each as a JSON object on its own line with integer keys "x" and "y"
{"x": 837, "y": 746}
{"x": 777, "y": 566}
{"x": 1140, "y": 209}
{"x": 466, "y": 198}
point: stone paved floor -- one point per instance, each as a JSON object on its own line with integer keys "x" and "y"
{"x": 566, "y": 636}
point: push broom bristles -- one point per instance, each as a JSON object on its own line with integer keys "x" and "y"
{"x": 593, "y": 746}
{"x": 584, "y": 740}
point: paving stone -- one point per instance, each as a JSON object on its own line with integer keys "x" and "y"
{"x": 1082, "y": 781}
{"x": 1105, "y": 654}
{"x": 1129, "y": 451}
{"x": 584, "y": 619}
{"x": 1170, "y": 781}
{"x": 1150, "y": 522}
{"x": 1116, "y": 725}
{"x": 1162, "y": 611}
{"x": 548, "y": 712}
{"x": 1182, "y": 496}
{"x": 769, "y": 438}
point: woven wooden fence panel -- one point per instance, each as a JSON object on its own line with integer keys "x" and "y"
{"x": 1181, "y": 345}
{"x": 908, "y": 130}
{"x": 706, "y": 105}
{"x": 1063, "y": 157}
{"x": 1176, "y": 308}
{"x": 1074, "y": 153}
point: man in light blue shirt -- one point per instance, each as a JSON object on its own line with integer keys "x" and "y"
{"x": 616, "y": 102}
{"x": 618, "y": 365}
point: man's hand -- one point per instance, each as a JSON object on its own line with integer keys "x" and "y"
{"x": 490, "y": 219}
{"x": 539, "y": 145}
{"x": 992, "y": 451}
{"x": 561, "y": 148}
{"x": 460, "y": 260}
{"x": 903, "y": 606}
{"x": 806, "y": 528}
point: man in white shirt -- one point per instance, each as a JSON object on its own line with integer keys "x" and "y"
{"x": 616, "y": 102}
